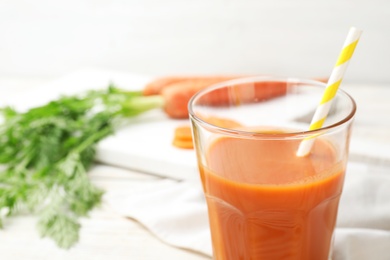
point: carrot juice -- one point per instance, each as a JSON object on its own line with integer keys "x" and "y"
{"x": 264, "y": 202}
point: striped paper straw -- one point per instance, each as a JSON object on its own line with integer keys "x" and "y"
{"x": 330, "y": 91}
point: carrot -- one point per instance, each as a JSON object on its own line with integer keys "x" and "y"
{"x": 178, "y": 95}
{"x": 322, "y": 79}
{"x": 177, "y": 91}
{"x": 156, "y": 86}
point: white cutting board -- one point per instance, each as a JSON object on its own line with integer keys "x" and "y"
{"x": 144, "y": 145}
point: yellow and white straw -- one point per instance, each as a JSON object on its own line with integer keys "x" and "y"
{"x": 332, "y": 86}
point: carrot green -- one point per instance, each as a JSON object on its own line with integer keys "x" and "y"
{"x": 46, "y": 152}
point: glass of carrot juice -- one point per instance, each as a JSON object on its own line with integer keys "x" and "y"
{"x": 264, "y": 201}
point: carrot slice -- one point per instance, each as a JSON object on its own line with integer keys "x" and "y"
{"x": 183, "y": 144}
{"x": 223, "y": 122}
{"x": 183, "y": 137}
{"x": 183, "y": 134}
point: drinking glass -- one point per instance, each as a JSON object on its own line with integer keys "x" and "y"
{"x": 264, "y": 201}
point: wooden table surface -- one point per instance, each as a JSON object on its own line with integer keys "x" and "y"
{"x": 107, "y": 235}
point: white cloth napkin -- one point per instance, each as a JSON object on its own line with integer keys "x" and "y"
{"x": 176, "y": 213}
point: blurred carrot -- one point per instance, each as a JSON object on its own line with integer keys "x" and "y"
{"x": 183, "y": 137}
{"x": 177, "y": 91}
{"x": 156, "y": 86}
{"x": 177, "y": 95}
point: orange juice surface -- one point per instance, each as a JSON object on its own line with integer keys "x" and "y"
{"x": 264, "y": 202}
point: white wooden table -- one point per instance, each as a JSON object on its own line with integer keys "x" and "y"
{"x": 106, "y": 235}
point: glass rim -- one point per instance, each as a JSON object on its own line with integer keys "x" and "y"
{"x": 278, "y": 135}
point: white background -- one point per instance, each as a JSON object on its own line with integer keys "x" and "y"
{"x": 155, "y": 37}
{"x": 41, "y": 40}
